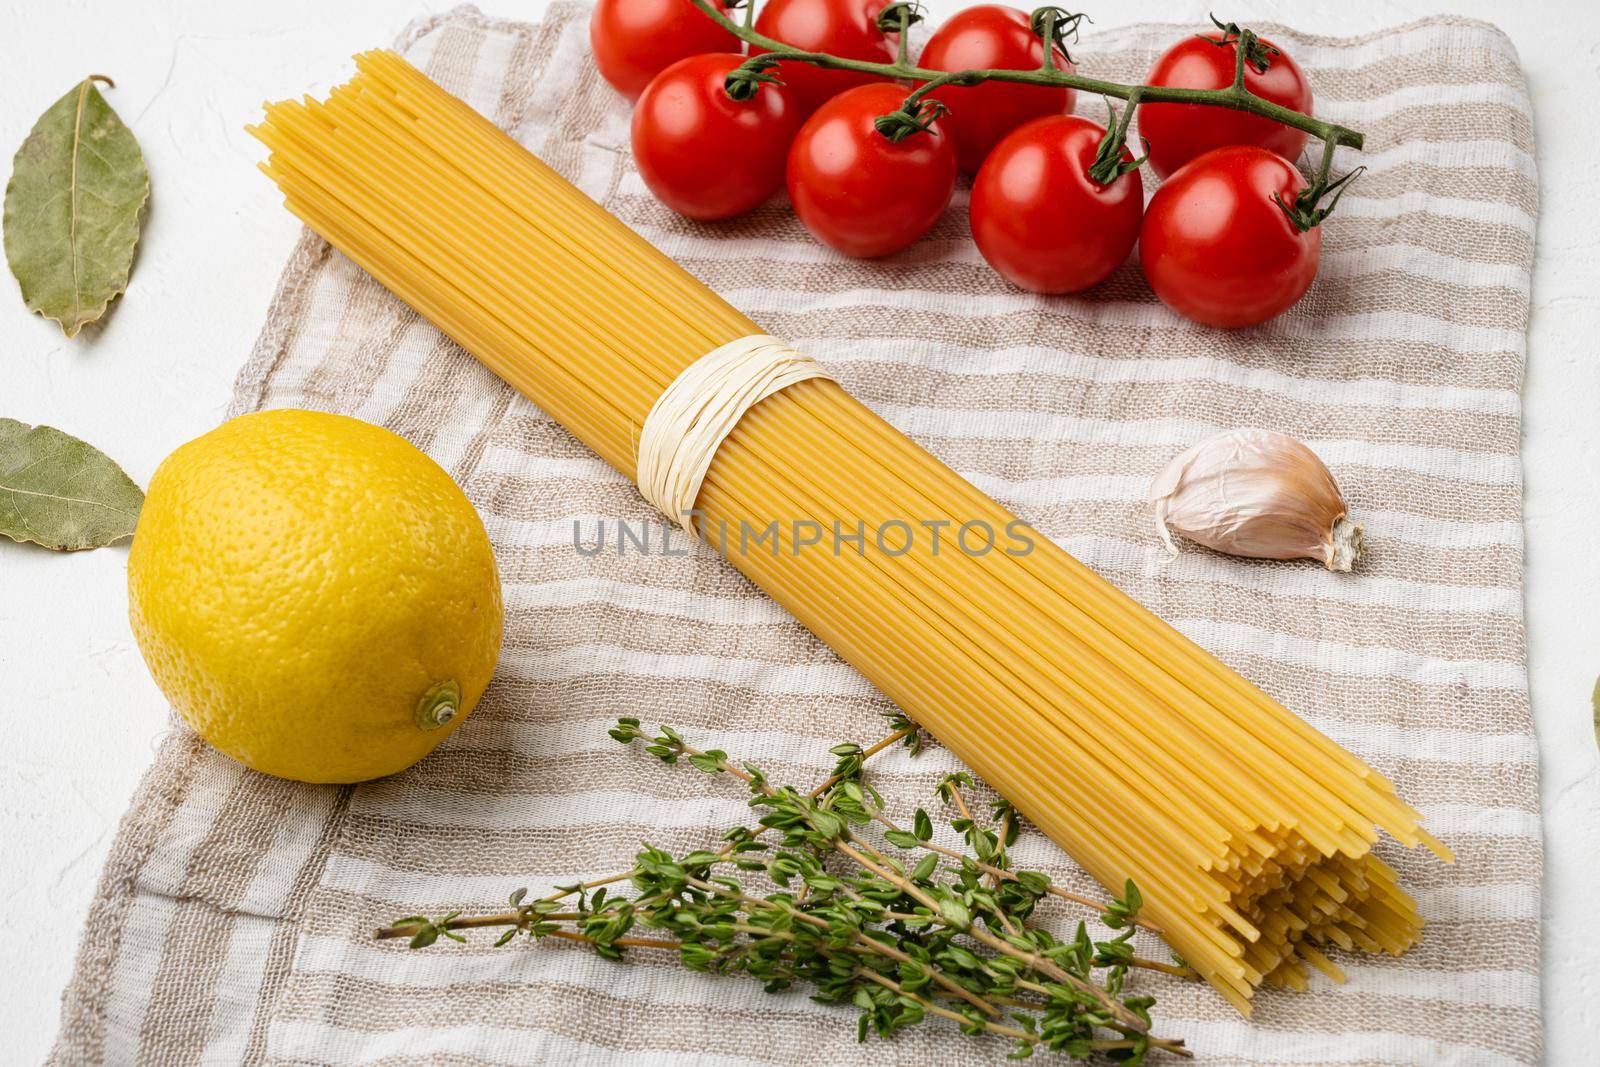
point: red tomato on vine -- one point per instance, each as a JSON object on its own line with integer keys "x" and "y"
{"x": 1178, "y": 133}
{"x": 634, "y": 40}
{"x": 857, "y": 190}
{"x": 704, "y": 154}
{"x": 991, "y": 37}
{"x": 1041, "y": 220}
{"x": 846, "y": 28}
{"x": 1216, "y": 245}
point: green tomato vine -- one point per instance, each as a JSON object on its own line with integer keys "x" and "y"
{"x": 1054, "y": 26}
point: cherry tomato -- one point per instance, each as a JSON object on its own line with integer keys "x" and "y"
{"x": 634, "y": 40}
{"x": 847, "y": 28}
{"x": 1179, "y": 132}
{"x": 704, "y": 154}
{"x": 860, "y": 192}
{"x": 1218, "y": 249}
{"x": 1041, "y": 221}
{"x": 991, "y": 37}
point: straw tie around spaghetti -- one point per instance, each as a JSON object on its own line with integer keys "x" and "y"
{"x": 700, "y": 408}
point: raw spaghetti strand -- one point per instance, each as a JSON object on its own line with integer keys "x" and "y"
{"x": 1248, "y": 832}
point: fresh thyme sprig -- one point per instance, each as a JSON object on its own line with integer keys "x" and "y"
{"x": 947, "y": 936}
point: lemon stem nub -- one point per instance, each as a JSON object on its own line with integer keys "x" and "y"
{"x": 438, "y": 706}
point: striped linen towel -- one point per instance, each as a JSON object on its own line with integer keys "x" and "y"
{"x": 232, "y": 921}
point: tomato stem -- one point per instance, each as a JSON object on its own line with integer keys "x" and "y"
{"x": 1239, "y": 55}
{"x": 1307, "y": 210}
{"x": 1108, "y": 163}
{"x": 1044, "y": 25}
{"x": 1251, "y": 49}
{"x": 1053, "y": 25}
{"x": 897, "y": 18}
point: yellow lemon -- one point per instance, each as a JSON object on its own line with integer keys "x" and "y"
{"x": 314, "y": 595}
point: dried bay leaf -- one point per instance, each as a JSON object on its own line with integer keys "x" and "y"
{"x": 60, "y": 492}
{"x": 73, "y": 208}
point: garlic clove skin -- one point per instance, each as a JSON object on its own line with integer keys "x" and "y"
{"x": 1256, "y": 493}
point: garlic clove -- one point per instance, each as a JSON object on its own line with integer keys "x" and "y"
{"x": 1256, "y": 493}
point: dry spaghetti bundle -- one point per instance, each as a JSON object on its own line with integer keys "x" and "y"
{"x": 1248, "y": 832}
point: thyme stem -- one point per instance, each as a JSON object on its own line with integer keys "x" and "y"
{"x": 880, "y": 866}
{"x": 948, "y": 940}
{"x": 852, "y": 846}
{"x": 867, "y": 944}
{"x": 1001, "y": 874}
{"x": 628, "y": 942}
{"x": 928, "y": 1005}
{"x": 517, "y": 918}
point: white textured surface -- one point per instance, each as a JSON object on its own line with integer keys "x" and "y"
{"x": 84, "y": 715}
